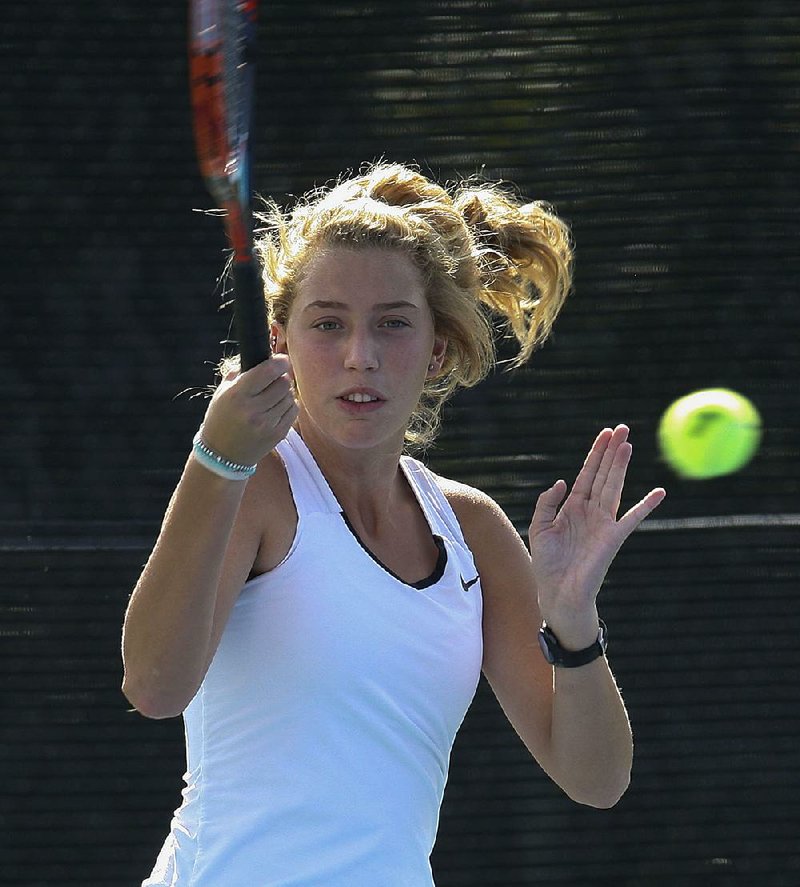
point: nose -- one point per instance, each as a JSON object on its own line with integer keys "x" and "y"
{"x": 362, "y": 352}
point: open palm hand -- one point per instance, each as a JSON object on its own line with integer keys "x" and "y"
{"x": 574, "y": 540}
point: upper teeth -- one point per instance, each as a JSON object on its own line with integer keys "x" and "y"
{"x": 360, "y": 398}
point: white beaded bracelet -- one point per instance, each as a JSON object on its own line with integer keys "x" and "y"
{"x": 219, "y": 464}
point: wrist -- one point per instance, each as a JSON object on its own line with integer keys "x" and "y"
{"x": 218, "y": 464}
{"x": 557, "y": 655}
{"x": 575, "y": 630}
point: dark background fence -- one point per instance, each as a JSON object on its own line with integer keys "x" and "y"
{"x": 668, "y": 135}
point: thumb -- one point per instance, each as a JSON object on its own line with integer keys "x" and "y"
{"x": 632, "y": 518}
{"x": 547, "y": 507}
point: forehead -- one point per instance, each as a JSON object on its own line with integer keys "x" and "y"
{"x": 346, "y": 274}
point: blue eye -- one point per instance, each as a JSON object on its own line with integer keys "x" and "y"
{"x": 326, "y": 325}
{"x": 396, "y": 323}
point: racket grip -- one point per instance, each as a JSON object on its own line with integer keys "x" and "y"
{"x": 249, "y": 314}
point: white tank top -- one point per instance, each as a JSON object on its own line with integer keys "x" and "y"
{"x": 319, "y": 741}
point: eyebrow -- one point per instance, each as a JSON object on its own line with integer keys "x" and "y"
{"x": 341, "y": 306}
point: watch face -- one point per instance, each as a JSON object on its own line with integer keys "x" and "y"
{"x": 543, "y": 643}
{"x": 555, "y": 654}
{"x": 602, "y": 637}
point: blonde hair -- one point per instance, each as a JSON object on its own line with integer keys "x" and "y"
{"x": 485, "y": 257}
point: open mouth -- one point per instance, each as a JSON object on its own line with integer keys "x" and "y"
{"x": 358, "y": 397}
{"x": 361, "y": 400}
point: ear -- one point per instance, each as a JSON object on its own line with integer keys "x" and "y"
{"x": 277, "y": 338}
{"x": 437, "y": 355}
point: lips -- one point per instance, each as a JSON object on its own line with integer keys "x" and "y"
{"x": 361, "y": 395}
{"x": 361, "y": 400}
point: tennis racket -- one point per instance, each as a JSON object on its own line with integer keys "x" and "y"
{"x": 222, "y": 80}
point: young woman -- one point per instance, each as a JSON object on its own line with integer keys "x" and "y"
{"x": 319, "y": 606}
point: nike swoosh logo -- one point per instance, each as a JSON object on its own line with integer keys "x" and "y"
{"x": 467, "y": 585}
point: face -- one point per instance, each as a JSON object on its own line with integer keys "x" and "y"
{"x": 361, "y": 339}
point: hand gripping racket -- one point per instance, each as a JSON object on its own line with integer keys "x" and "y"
{"x": 222, "y": 78}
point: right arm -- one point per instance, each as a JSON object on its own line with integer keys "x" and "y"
{"x": 212, "y": 534}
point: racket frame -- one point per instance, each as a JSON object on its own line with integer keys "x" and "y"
{"x": 222, "y": 84}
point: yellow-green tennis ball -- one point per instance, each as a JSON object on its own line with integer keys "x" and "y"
{"x": 709, "y": 433}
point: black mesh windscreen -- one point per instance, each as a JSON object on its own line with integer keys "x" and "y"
{"x": 667, "y": 135}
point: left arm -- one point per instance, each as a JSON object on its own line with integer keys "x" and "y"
{"x": 573, "y": 721}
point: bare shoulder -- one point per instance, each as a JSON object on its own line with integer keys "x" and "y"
{"x": 487, "y": 530}
{"x": 472, "y": 502}
{"x": 269, "y": 486}
{"x": 501, "y": 557}
{"x": 268, "y": 513}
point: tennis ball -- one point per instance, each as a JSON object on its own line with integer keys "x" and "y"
{"x": 709, "y": 433}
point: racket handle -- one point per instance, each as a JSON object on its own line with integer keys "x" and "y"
{"x": 250, "y": 320}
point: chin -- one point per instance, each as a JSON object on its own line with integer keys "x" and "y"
{"x": 355, "y": 435}
{"x": 369, "y": 440}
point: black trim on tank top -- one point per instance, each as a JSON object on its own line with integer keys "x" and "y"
{"x": 435, "y": 576}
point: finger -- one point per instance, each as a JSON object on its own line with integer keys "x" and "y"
{"x": 266, "y": 400}
{"x": 610, "y": 493}
{"x": 288, "y": 418}
{"x": 619, "y": 436}
{"x": 586, "y": 476}
{"x": 260, "y": 377}
{"x": 547, "y": 507}
{"x": 277, "y": 413}
{"x": 259, "y": 393}
{"x": 634, "y": 516}
{"x": 281, "y": 420}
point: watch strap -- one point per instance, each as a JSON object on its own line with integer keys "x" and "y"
{"x": 556, "y": 655}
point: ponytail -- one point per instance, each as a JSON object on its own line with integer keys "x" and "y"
{"x": 525, "y": 256}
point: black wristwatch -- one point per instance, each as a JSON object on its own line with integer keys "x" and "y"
{"x": 556, "y": 655}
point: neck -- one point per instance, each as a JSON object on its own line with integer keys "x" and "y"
{"x": 367, "y": 482}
